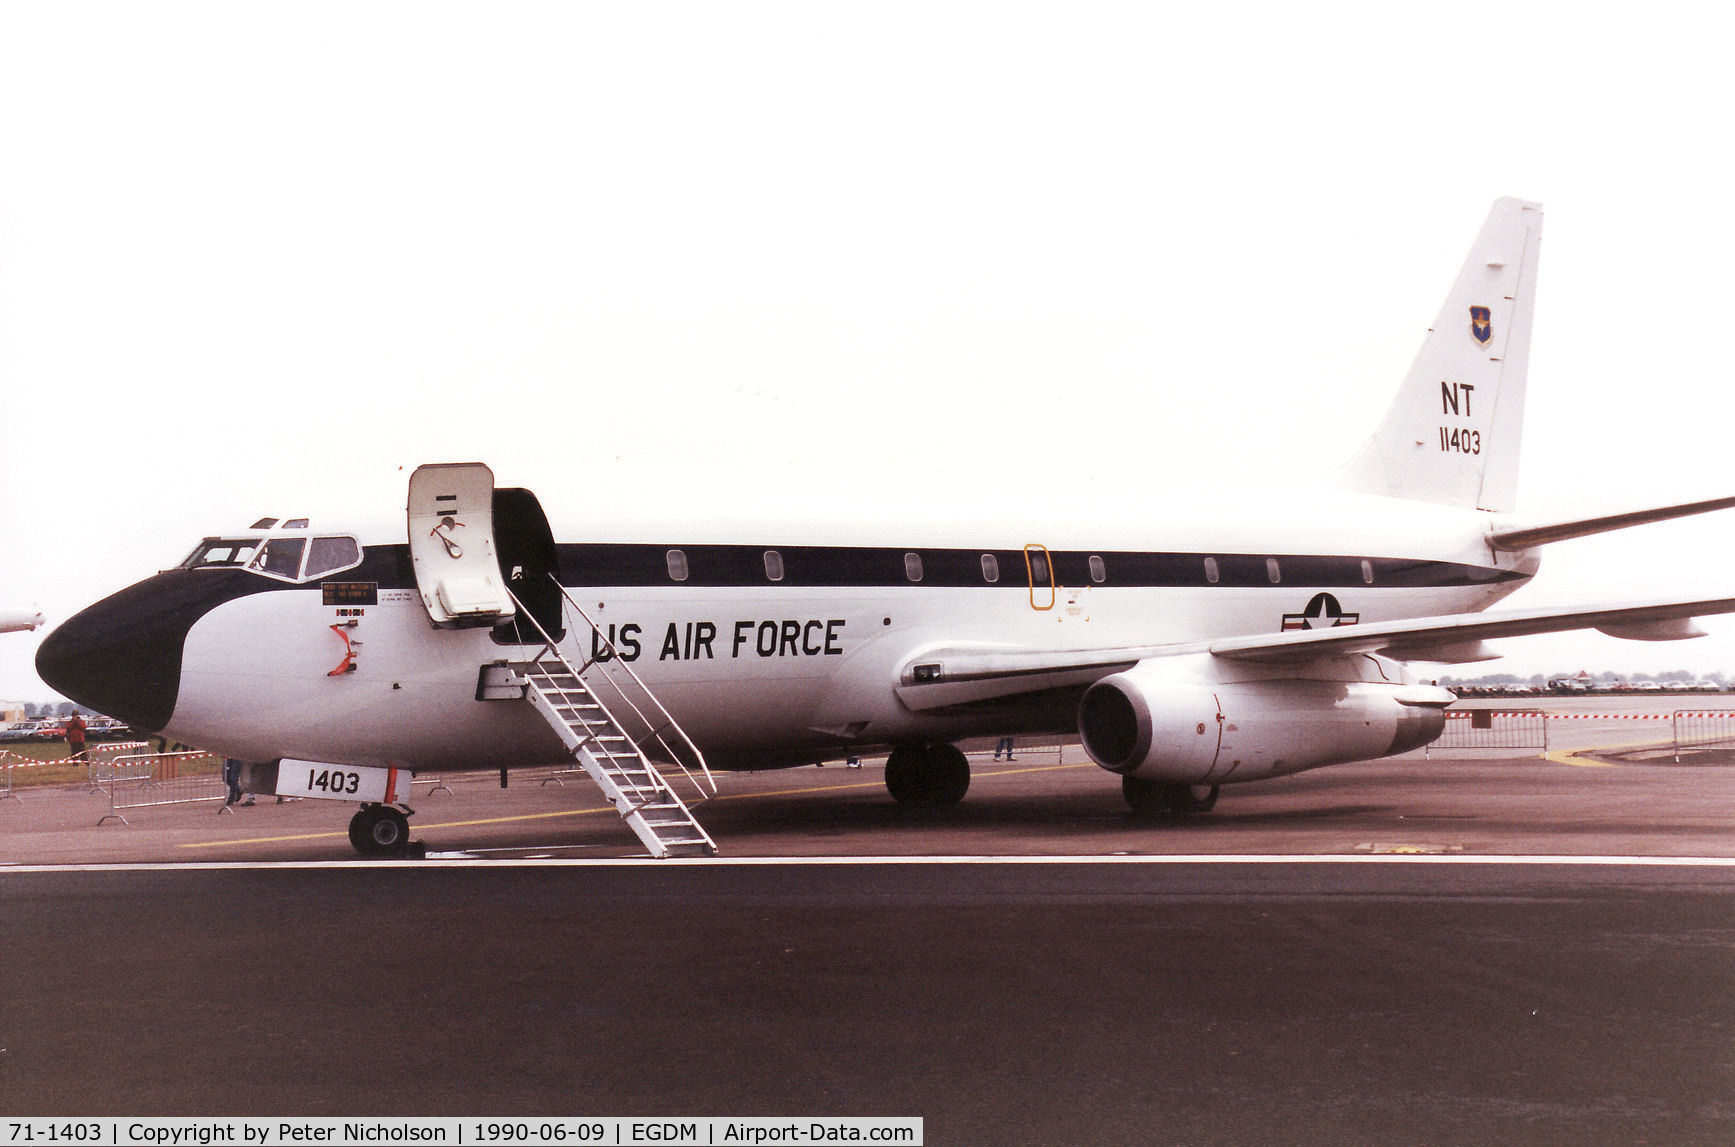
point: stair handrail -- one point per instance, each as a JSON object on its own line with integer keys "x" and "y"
{"x": 654, "y": 728}
{"x": 707, "y": 787}
{"x": 550, "y": 647}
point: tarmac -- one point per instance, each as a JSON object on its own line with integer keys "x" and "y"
{"x": 1509, "y": 949}
{"x": 1045, "y": 803}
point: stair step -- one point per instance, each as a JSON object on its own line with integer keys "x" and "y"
{"x": 612, "y": 758}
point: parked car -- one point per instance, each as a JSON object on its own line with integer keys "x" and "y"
{"x": 34, "y": 731}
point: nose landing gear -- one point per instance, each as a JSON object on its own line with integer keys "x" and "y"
{"x": 380, "y": 830}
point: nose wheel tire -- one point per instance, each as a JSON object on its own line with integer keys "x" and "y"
{"x": 380, "y": 830}
{"x": 927, "y": 774}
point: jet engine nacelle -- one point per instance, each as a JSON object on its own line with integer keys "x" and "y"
{"x": 1144, "y": 723}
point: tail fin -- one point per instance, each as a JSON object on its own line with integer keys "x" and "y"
{"x": 1452, "y": 434}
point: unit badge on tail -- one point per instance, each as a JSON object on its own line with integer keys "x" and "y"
{"x": 1322, "y": 612}
{"x": 1481, "y": 324}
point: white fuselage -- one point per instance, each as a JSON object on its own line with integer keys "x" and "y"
{"x": 769, "y": 674}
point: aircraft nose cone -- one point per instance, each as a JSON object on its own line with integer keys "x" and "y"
{"x": 122, "y": 656}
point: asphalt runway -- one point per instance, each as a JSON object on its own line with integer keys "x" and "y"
{"x": 1413, "y": 1000}
{"x": 1480, "y": 949}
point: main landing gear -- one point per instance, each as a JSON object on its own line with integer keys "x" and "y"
{"x": 927, "y": 774}
{"x": 380, "y": 830}
{"x": 1167, "y": 798}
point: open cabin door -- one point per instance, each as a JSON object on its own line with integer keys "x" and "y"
{"x": 451, "y": 520}
{"x": 531, "y": 564}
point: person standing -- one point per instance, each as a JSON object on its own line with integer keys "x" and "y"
{"x": 75, "y": 737}
{"x": 232, "y": 778}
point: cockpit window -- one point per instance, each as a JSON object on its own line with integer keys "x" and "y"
{"x": 281, "y": 557}
{"x": 277, "y": 557}
{"x": 326, "y": 555}
{"x": 221, "y": 552}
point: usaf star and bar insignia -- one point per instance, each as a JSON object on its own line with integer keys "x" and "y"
{"x": 1322, "y": 612}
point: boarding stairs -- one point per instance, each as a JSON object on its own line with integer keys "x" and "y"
{"x": 560, "y": 688}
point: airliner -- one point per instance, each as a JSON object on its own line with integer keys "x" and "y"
{"x": 1186, "y": 649}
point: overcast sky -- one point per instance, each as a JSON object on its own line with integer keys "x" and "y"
{"x": 266, "y": 259}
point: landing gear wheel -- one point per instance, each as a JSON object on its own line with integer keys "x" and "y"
{"x": 904, "y": 775}
{"x": 927, "y": 774}
{"x": 380, "y": 830}
{"x": 948, "y": 774}
{"x": 1166, "y": 798}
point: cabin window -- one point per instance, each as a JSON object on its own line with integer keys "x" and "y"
{"x": 1367, "y": 571}
{"x": 295, "y": 524}
{"x": 990, "y": 568}
{"x": 913, "y": 566}
{"x": 1212, "y": 573}
{"x": 1272, "y": 571}
{"x": 281, "y": 557}
{"x": 677, "y": 560}
{"x": 773, "y": 565}
{"x": 328, "y": 555}
{"x": 1098, "y": 571}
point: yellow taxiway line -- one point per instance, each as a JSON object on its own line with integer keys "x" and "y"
{"x": 1576, "y": 757}
{"x": 607, "y": 808}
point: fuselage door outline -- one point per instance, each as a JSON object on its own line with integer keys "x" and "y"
{"x": 1039, "y": 568}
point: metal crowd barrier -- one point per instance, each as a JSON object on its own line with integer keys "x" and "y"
{"x": 8, "y": 762}
{"x": 146, "y": 779}
{"x": 1703, "y": 729}
{"x": 98, "y": 757}
{"x": 1021, "y": 747}
{"x": 1477, "y": 729}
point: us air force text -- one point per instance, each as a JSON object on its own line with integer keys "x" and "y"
{"x": 698, "y": 640}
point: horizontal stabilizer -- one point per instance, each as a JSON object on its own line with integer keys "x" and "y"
{"x": 1540, "y": 535}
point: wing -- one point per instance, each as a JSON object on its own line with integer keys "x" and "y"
{"x": 940, "y": 677}
{"x": 1416, "y": 639}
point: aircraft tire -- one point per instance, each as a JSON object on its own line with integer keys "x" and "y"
{"x": 1167, "y": 798}
{"x": 927, "y": 774}
{"x": 380, "y": 830}
{"x": 948, "y": 774}
{"x": 904, "y": 774}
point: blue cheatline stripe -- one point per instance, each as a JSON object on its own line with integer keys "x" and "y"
{"x": 713, "y": 566}
{"x": 639, "y": 565}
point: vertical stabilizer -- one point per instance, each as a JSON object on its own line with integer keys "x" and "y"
{"x": 1452, "y": 434}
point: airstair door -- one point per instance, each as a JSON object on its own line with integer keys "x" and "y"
{"x": 451, "y": 519}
